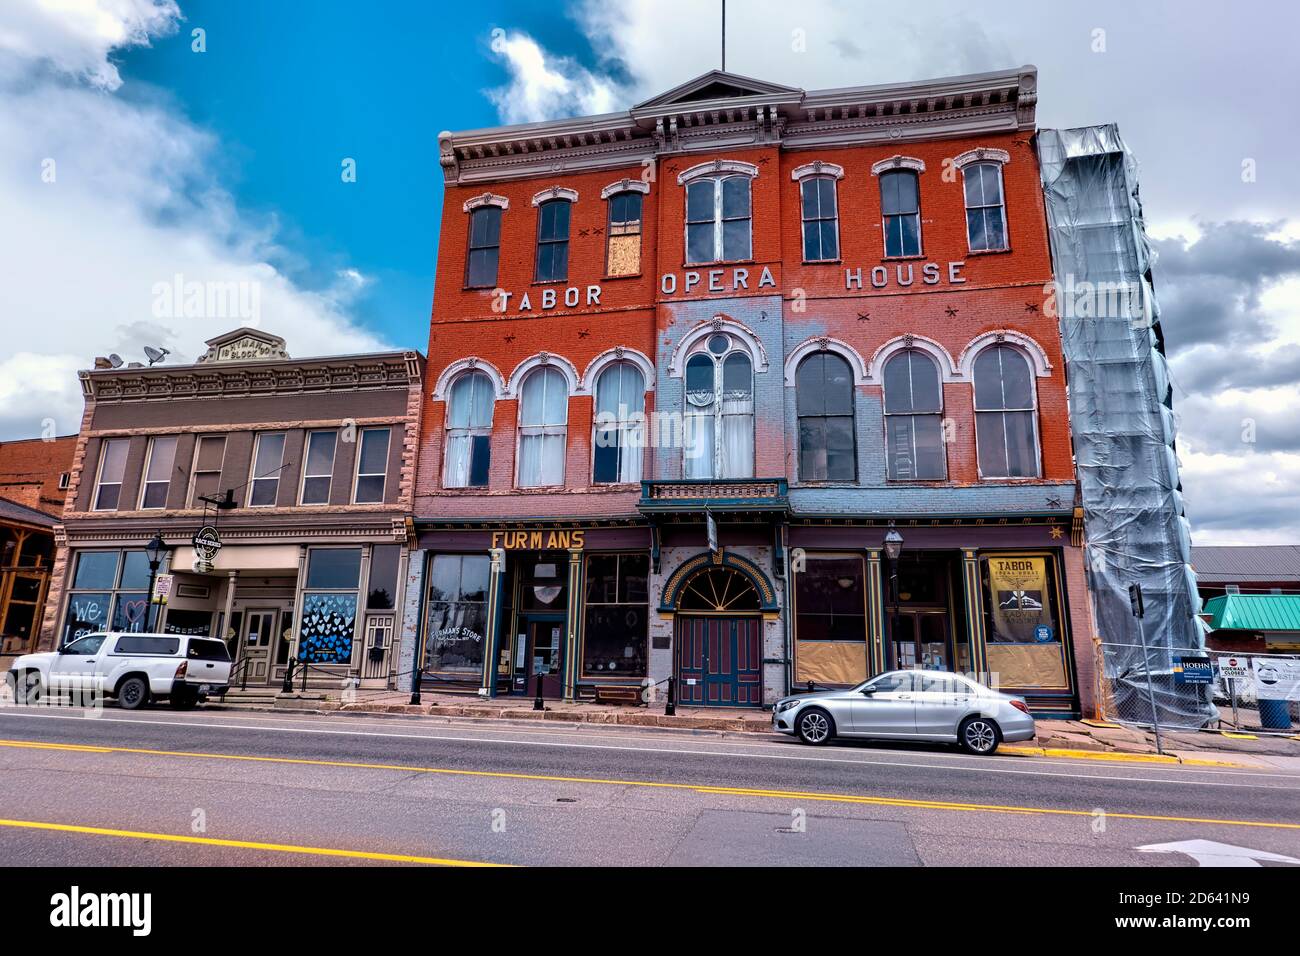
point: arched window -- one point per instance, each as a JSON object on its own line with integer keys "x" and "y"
{"x": 543, "y": 428}
{"x": 914, "y": 448}
{"x": 553, "y": 240}
{"x": 824, "y": 402}
{"x": 718, "y": 220}
{"x": 900, "y": 205}
{"x": 719, "y": 426}
{"x": 1006, "y": 420}
{"x": 469, "y": 432}
{"x": 623, "y": 237}
{"x": 821, "y": 222}
{"x": 986, "y": 218}
{"x": 484, "y": 247}
{"x": 620, "y": 424}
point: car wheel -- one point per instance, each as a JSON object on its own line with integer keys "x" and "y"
{"x": 978, "y": 735}
{"x": 30, "y": 689}
{"x": 815, "y": 726}
{"x": 133, "y": 693}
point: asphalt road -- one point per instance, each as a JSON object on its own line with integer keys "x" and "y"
{"x": 222, "y": 788}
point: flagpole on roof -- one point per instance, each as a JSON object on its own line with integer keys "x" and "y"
{"x": 724, "y": 36}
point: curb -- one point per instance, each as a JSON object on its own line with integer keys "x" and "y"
{"x": 1118, "y": 755}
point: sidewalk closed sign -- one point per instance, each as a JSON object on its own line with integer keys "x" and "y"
{"x": 1193, "y": 670}
{"x": 1234, "y": 668}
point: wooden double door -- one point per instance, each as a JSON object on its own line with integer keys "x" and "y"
{"x": 719, "y": 660}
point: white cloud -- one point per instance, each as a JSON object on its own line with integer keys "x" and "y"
{"x": 77, "y": 36}
{"x": 107, "y": 202}
{"x": 544, "y": 86}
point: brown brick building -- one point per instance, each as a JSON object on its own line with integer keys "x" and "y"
{"x": 800, "y": 316}
{"x": 304, "y": 467}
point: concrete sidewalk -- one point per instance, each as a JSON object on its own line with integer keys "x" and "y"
{"x": 1056, "y": 738}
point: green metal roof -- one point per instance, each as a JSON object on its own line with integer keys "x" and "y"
{"x": 1255, "y": 612}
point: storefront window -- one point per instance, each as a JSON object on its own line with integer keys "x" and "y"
{"x": 831, "y": 620}
{"x": 457, "y": 624}
{"x": 543, "y": 582}
{"x": 382, "y": 594}
{"x": 617, "y": 615}
{"x": 329, "y": 605}
{"x": 109, "y": 591}
{"x": 1025, "y": 645}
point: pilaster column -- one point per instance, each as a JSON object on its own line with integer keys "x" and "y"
{"x": 875, "y": 614}
{"x": 492, "y": 640}
{"x": 970, "y": 567}
{"x": 571, "y": 662}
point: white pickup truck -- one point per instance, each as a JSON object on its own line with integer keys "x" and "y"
{"x": 134, "y": 668}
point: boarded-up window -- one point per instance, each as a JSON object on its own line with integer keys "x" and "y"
{"x": 624, "y": 250}
{"x": 831, "y": 620}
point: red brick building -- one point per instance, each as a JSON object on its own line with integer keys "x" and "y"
{"x": 34, "y": 475}
{"x": 799, "y": 317}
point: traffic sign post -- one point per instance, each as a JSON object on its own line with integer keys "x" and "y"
{"x": 1139, "y": 610}
{"x": 1233, "y": 669}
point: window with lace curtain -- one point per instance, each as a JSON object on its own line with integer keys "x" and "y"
{"x": 469, "y": 432}
{"x": 719, "y": 420}
{"x": 543, "y": 428}
{"x": 620, "y": 424}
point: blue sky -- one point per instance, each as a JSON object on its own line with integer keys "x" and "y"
{"x": 129, "y": 160}
{"x": 291, "y": 94}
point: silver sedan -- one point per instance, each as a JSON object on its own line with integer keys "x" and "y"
{"x": 908, "y": 705}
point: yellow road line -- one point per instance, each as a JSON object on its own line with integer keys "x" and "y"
{"x": 240, "y": 844}
{"x": 663, "y": 785}
{"x": 1116, "y": 756}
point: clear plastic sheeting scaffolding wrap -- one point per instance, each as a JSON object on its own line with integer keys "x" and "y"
{"x": 1122, "y": 418}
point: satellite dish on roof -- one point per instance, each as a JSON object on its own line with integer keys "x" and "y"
{"x": 155, "y": 355}
{"x": 115, "y": 360}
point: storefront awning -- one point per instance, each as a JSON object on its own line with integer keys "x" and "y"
{"x": 1254, "y": 612}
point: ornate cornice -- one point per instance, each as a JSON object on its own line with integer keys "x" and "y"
{"x": 755, "y": 113}
{"x": 239, "y": 380}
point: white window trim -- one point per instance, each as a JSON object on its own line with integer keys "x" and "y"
{"x": 1038, "y": 359}
{"x": 486, "y": 199}
{"x": 817, "y": 168}
{"x": 357, "y": 473}
{"x": 306, "y": 459}
{"x": 823, "y": 343}
{"x": 447, "y": 378}
{"x": 719, "y": 323}
{"x": 1033, "y": 409}
{"x": 555, "y": 192}
{"x": 898, "y": 162}
{"x": 549, "y": 359}
{"x": 144, "y": 474}
{"x": 717, "y": 169}
{"x": 981, "y": 154}
{"x": 625, "y": 186}
{"x": 252, "y": 469}
{"x": 99, "y": 475}
{"x": 194, "y": 465}
{"x": 447, "y": 428}
{"x": 521, "y": 378}
{"x": 947, "y": 368}
{"x": 620, "y": 353}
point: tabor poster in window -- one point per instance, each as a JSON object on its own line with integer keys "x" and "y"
{"x": 1018, "y": 595}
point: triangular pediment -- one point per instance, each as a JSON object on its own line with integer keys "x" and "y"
{"x": 244, "y": 345}
{"x": 715, "y": 85}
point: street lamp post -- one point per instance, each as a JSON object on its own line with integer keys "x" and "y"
{"x": 154, "y": 551}
{"x": 893, "y": 551}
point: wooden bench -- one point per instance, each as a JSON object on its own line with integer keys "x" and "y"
{"x": 618, "y": 695}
